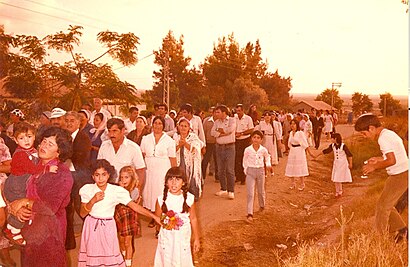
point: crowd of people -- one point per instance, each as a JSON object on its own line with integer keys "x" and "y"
{"x": 108, "y": 169}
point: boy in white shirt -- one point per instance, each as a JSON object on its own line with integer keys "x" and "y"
{"x": 255, "y": 158}
{"x": 395, "y": 161}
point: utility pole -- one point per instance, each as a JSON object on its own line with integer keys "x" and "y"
{"x": 333, "y": 88}
{"x": 165, "y": 96}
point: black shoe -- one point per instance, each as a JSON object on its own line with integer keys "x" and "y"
{"x": 156, "y": 234}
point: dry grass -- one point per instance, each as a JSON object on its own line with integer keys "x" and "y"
{"x": 302, "y": 221}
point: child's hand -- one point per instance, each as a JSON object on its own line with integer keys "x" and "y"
{"x": 197, "y": 245}
{"x": 98, "y": 196}
{"x": 270, "y": 169}
{"x": 157, "y": 219}
{"x": 54, "y": 168}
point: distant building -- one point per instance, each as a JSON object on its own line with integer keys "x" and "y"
{"x": 307, "y": 105}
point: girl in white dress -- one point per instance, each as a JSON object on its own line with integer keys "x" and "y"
{"x": 269, "y": 140}
{"x": 99, "y": 243}
{"x": 342, "y": 163}
{"x": 179, "y": 222}
{"x": 328, "y": 120}
{"x": 159, "y": 151}
{"x": 297, "y": 163}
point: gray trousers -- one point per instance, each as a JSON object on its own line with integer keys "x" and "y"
{"x": 255, "y": 176}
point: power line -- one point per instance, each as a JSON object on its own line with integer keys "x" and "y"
{"x": 137, "y": 62}
{"x": 72, "y": 12}
{"x": 26, "y": 20}
{"x": 48, "y": 15}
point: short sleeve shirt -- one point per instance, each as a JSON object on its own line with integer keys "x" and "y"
{"x": 389, "y": 141}
{"x": 129, "y": 154}
{"x": 113, "y": 195}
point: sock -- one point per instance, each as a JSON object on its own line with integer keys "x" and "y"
{"x": 12, "y": 229}
{"x": 128, "y": 262}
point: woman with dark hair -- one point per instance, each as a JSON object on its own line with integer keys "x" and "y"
{"x": 253, "y": 113}
{"x": 48, "y": 194}
{"x": 160, "y": 154}
{"x": 95, "y": 135}
{"x": 297, "y": 162}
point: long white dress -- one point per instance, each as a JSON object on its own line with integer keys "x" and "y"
{"x": 158, "y": 163}
{"x": 174, "y": 246}
{"x": 269, "y": 140}
{"x": 328, "y": 123}
{"x": 297, "y": 162}
{"x": 308, "y": 130}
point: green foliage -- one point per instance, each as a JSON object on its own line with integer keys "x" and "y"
{"x": 68, "y": 84}
{"x": 331, "y": 96}
{"x": 361, "y": 103}
{"x": 389, "y": 103}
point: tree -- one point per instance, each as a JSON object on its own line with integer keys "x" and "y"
{"x": 231, "y": 67}
{"x": 277, "y": 88}
{"x": 44, "y": 85}
{"x": 327, "y": 95}
{"x": 388, "y": 104}
{"x": 361, "y": 103}
{"x": 185, "y": 84}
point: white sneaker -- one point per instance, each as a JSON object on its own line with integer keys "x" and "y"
{"x": 221, "y": 193}
{"x": 231, "y": 195}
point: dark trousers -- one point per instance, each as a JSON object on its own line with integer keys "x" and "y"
{"x": 317, "y": 133}
{"x": 80, "y": 177}
{"x": 210, "y": 153}
{"x": 240, "y": 146}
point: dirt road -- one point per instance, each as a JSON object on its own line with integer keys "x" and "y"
{"x": 216, "y": 211}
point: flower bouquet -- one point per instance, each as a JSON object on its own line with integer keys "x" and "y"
{"x": 171, "y": 221}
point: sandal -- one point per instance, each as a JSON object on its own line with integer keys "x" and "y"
{"x": 15, "y": 239}
{"x": 301, "y": 187}
{"x": 293, "y": 186}
{"x": 249, "y": 218}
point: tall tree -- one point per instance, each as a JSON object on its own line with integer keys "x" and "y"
{"x": 388, "y": 104}
{"x": 30, "y": 77}
{"x": 361, "y": 103}
{"x": 184, "y": 83}
{"x": 328, "y": 95}
{"x": 277, "y": 88}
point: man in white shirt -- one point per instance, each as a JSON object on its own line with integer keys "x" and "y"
{"x": 130, "y": 123}
{"x": 99, "y": 109}
{"x": 244, "y": 128}
{"x": 120, "y": 151}
{"x": 394, "y": 159}
{"x": 224, "y": 132}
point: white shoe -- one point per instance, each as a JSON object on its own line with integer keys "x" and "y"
{"x": 221, "y": 193}
{"x": 231, "y": 195}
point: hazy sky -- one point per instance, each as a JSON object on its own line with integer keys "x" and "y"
{"x": 361, "y": 43}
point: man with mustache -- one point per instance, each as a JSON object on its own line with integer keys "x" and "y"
{"x": 120, "y": 151}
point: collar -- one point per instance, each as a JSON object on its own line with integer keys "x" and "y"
{"x": 74, "y": 134}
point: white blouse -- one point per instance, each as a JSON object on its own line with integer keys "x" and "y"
{"x": 113, "y": 195}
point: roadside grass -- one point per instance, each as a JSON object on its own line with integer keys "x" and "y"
{"x": 359, "y": 244}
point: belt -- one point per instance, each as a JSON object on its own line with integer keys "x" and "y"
{"x": 229, "y": 144}
{"x": 295, "y": 145}
{"x": 268, "y": 134}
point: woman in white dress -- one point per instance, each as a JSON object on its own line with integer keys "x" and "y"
{"x": 297, "y": 162}
{"x": 269, "y": 140}
{"x": 328, "y": 120}
{"x": 308, "y": 130}
{"x": 160, "y": 154}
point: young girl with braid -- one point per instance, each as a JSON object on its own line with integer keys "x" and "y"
{"x": 176, "y": 208}
{"x": 99, "y": 243}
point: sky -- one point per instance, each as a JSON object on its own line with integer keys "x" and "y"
{"x": 361, "y": 44}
